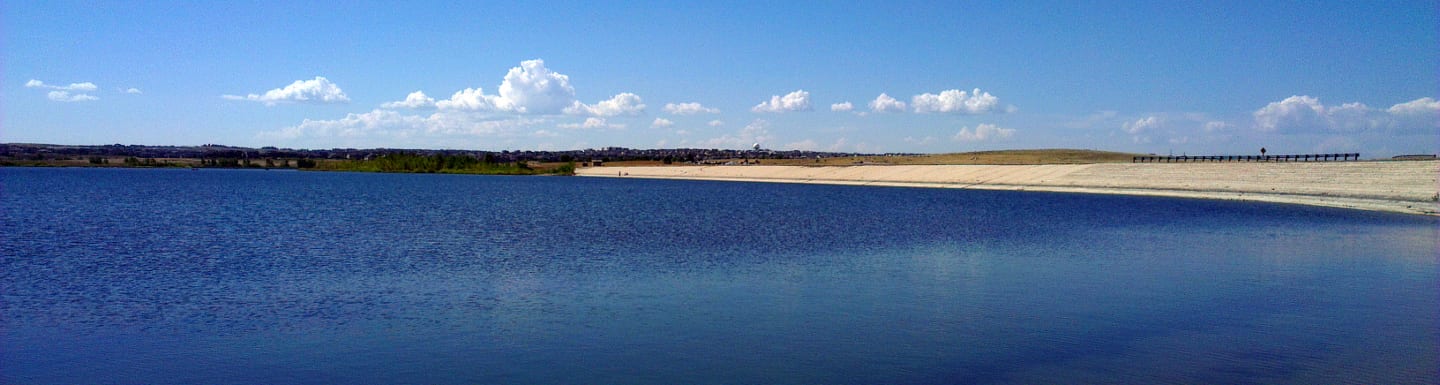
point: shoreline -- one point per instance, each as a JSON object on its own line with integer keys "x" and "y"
{"x": 1409, "y": 187}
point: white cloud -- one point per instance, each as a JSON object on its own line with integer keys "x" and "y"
{"x": 1216, "y": 126}
{"x": 75, "y": 92}
{"x": 470, "y": 99}
{"x": 532, "y": 88}
{"x": 1354, "y": 117}
{"x": 1303, "y": 113}
{"x": 689, "y": 109}
{"x": 842, "y": 107}
{"x": 1419, "y": 115}
{"x": 592, "y": 123}
{"x": 66, "y": 96}
{"x": 1142, "y": 125}
{"x": 885, "y": 103}
{"x": 86, "y": 86}
{"x": 528, "y": 89}
{"x": 621, "y": 104}
{"x": 715, "y": 123}
{"x": 317, "y": 90}
{"x": 415, "y": 100}
{"x": 1293, "y": 111}
{"x": 983, "y": 132}
{"x": 384, "y": 127}
{"x": 794, "y": 101}
{"x": 955, "y": 101}
{"x": 375, "y": 122}
{"x": 133, "y": 91}
{"x": 1417, "y": 106}
{"x": 661, "y": 123}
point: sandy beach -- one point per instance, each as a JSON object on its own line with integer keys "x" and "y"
{"x": 1395, "y": 186}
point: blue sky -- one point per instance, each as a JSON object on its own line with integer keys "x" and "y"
{"x": 1213, "y": 77}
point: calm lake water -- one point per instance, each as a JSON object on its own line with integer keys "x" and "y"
{"x": 236, "y": 276}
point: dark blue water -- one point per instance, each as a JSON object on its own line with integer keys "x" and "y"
{"x": 177, "y": 276}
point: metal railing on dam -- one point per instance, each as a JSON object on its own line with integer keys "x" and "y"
{"x": 1247, "y": 158}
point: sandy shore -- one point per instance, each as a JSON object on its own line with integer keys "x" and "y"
{"x": 1406, "y": 187}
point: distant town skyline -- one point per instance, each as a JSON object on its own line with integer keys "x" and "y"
{"x": 914, "y": 77}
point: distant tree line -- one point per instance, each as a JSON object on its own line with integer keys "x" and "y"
{"x": 31, "y": 151}
{"x": 141, "y": 162}
{"x": 439, "y": 163}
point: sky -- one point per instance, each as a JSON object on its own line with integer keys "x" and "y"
{"x": 1162, "y": 77}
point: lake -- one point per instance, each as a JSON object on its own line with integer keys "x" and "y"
{"x": 246, "y": 276}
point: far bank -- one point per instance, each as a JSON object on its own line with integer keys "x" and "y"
{"x": 1394, "y": 186}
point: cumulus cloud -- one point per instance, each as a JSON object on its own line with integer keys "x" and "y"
{"x": 661, "y": 123}
{"x": 592, "y": 123}
{"x": 715, "y": 123}
{"x": 1416, "y": 115}
{"x": 415, "y": 100}
{"x": 356, "y": 125}
{"x": 75, "y": 92}
{"x": 983, "y": 132}
{"x": 955, "y": 101}
{"x": 86, "y": 86}
{"x": 1141, "y": 125}
{"x": 1303, "y": 113}
{"x": 885, "y": 103}
{"x": 469, "y": 99}
{"x": 621, "y": 104}
{"x": 533, "y": 89}
{"x": 528, "y": 89}
{"x": 842, "y": 107}
{"x": 1293, "y": 111}
{"x": 66, "y": 96}
{"x": 689, "y": 109}
{"x": 317, "y": 90}
{"x": 1417, "y": 106}
{"x": 133, "y": 91}
{"x": 794, "y": 101}
{"x": 528, "y": 96}
{"x": 381, "y": 126}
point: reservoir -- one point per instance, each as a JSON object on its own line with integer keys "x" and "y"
{"x": 166, "y": 276}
